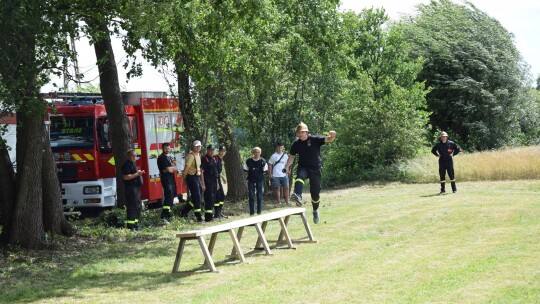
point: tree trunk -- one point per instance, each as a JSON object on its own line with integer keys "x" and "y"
{"x": 236, "y": 186}
{"x": 27, "y": 225}
{"x": 182, "y": 66}
{"x": 53, "y": 213}
{"x": 121, "y": 136}
{"x": 7, "y": 191}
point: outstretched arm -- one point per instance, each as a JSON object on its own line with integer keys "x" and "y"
{"x": 331, "y": 136}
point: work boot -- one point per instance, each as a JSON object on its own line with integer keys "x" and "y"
{"x": 208, "y": 217}
{"x": 131, "y": 227}
{"x": 442, "y": 191}
{"x": 316, "y": 216}
{"x": 223, "y": 216}
{"x": 454, "y": 188}
{"x": 297, "y": 199}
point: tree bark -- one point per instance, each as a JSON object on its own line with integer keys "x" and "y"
{"x": 53, "y": 213}
{"x": 7, "y": 191}
{"x": 27, "y": 225}
{"x": 121, "y": 136}
{"x": 182, "y": 67}
{"x": 236, "y": 186}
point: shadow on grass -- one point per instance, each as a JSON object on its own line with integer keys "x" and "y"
{"x": 27, "y": 276}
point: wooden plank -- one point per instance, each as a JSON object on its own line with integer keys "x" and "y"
{"x": 239, "y": 236}
{"x": 258, "y": 243}
{"x": 236, "y": 244}
{"x": 208, "y": 257}
{"x": 212, "y": 244}
{"x": 285, "y": 232}
{"x": 263, "y": 239}
{"x": 306, "y": 225}
{"x": 243, "y": 222}
{"x": 280, "y": 238}
{"x": 179, "y": 255}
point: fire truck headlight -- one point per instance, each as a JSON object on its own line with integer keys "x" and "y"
{"x": 92, "y": 190}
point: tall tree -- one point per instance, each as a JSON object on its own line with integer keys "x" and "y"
{"x": 32, "y": 42}
{"x": 382, "y": 97}
{"x": 476, "y": 73}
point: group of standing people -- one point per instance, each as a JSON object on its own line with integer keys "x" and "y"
{"x": 205, "y": 177}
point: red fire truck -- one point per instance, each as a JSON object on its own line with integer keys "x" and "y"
{"x": 82, "y": 147}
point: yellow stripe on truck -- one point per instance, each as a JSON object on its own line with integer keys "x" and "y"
{"x": 76, "y": 156}
{"x": 89, "y": 156}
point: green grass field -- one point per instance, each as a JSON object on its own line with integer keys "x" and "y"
{"x": 397, "y": 243}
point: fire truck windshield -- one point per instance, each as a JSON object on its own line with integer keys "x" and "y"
{"x": 72, "y": 132}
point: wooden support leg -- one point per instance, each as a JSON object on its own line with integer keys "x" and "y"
{"x": 208, "y": 257}
{"x": 239, "y": 237}
{"x": 258, "y": 243}
{"x": 213, "y": 239}
{"x": 285, "y": 232}
{"x": 263, "y": 238}
{"x": 236, "y": 245}
{"x": 281, "y": 234}
{"x": 306, "y": 225}
{"x": 179, "y": 255}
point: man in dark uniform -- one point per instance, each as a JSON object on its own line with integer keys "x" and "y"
{"x": 132, "y": 189}
{"x": 445, "y": 150}
{"x": 220, "y": 193}
{"x": 209, "y": 181}
{"x": 308, "y": 147}
{"x": 167, "y": 168}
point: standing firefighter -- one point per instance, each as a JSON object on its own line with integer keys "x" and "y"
{"x": 167, "y": 168}
{"x": 192, "y": 176}
{"x": 209, "y": 180}
{"x": 308, "y": 147}
{"x": 132, "y": 188}
{"x": 445, "y": 150}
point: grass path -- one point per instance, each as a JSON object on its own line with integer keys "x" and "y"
{"x": 396, "y": 243}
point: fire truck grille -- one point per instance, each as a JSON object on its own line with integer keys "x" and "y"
{"x": 67, "y": 172}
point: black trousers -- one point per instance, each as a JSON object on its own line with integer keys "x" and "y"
{"x": 194, "y": 185}
{"x": 133, "y": 204}
{"x": 447, "y": 166}
{"x": 209, "y": 197}
{"x": 314, "y": 175}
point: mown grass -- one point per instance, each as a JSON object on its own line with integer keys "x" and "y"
{"x": 395, "y": 243}
{"x": 506, "y": 164}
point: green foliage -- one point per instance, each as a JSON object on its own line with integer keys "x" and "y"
{"x": 381, "y": 117}
{"x": 476, "y": 73}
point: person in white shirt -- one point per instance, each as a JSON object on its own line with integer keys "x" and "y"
{"x": 278, "y": 175}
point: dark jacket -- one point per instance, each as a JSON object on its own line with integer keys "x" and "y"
{"x": 446, "y": 150}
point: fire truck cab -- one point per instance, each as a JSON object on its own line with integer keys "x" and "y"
{"x": 82, "y": 147}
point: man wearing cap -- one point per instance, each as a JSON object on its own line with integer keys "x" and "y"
{"x": 167, "y": 168}
{"x": 220, "y": 193}
{"x": 308, "y": 147}
{"x": 192, "y": 176}
{"x": 445, "y": 150}
{"x": 209, "y": 181}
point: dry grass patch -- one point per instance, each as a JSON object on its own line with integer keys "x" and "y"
{"x": 507, "y": 164}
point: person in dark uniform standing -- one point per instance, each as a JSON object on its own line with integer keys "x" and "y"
{"x": 220, "y": 193}
{"x": 308, "y": 148}
{"x": 255, "y": 166}
{"x": 445, "y": 150}
{"x": 167, "y": 168}
{"x": 132, "y": 189}
{"x": 192, "y": 176}
{"x": 209, "y": 181}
